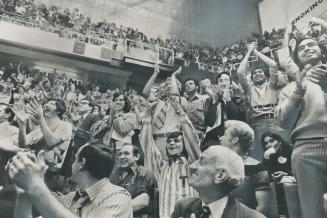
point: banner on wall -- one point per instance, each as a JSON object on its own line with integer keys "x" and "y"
{"x": 277, "y": 13}
{"x": 79, "y": 48}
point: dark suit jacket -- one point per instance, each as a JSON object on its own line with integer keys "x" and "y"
{"x": 234, "y": 209}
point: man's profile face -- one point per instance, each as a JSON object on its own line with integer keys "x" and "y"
{"x": 202, "y": 172}
{"x": 126, "y": 157}
{"x": 175, "y": 145}
{"x": 227, "y": 138}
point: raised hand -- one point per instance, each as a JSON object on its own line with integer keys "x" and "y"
{"x": 318, "y": 75}
{"x": 35, "y": 109}
{"x": 26, "y": 170}
{"x": 21, "y": 117}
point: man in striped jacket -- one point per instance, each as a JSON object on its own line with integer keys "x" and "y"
{"x": 182, "y": 149}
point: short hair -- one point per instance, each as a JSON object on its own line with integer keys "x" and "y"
{"x": 190, "y": 79}
{"x": 99, "y": 160}
{"x": 9, "y": 111}
{"x": 231, "y": 162}
{"x": 174, "y": 135}
{"x": 60, "y": 106}
{"x": 296, "y": 52}
{"x": 136, "y": 151}
{"x": 220, "y": 74}
{"x": 127, "y": 105}
{"x": 243, "y": 131}
{"x": 259, "y": 68}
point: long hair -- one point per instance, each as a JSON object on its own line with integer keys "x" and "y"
{"x": 127, "y": 105}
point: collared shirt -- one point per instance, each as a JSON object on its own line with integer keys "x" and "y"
{"x": 106, "y": 200}
{"x": 217, "y": 207}
{"x": 136, "y": 181}
{"x": 8, "y": 134}
{"x": 195, "y": 109}
{"x": 171, "y": 176}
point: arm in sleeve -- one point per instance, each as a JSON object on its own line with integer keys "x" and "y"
{"x": 152, "y": 156}
{"x": 289, "y": 106}
{"x": 241, "y": 73}
{"x": 273, "y": 80}
{"x": 211, "y": 114}
{"x": 191, "y": 139}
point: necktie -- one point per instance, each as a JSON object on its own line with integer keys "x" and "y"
{"x": 161, "y": 118}
{"x": 205, "y": 212}
{"x": 82, "y": 200}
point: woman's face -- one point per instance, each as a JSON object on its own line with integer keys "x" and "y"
{"x": 119, "y": 103}
{"x": 270, "y": 142}
{"x": 309, "y": 52}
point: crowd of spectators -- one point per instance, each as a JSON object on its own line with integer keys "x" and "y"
{"x": 74, "y": 23}
{"x": 179, "y": 148}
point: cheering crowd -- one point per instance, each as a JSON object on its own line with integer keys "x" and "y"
{"x": 178, "y": 149}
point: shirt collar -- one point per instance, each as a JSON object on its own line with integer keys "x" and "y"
{"x": 217, "y": 207}
{"x": 96, "y": 188}
{"x": 196, "y": 96}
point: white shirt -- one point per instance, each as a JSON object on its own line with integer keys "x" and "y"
{"x": 217, "y": 207}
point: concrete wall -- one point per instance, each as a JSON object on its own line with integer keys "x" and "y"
{"x": 218, "y": 22}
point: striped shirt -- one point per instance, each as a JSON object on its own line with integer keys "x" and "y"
{"x": 170, "y": 175}
{"x": 105, "y": 200}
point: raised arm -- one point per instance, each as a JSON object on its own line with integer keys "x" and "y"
{"x": 174, "y": 90}
{"x": 147, "y": 88}
{"x": 191, "y": 139}
{"x": 290, "y": 102}
{"x": 273, "y": 79}
{"x": 51, "y": 138}
{"x": 241, "y": 72}
{"x": 152, "y": 156}
{"x": 285, "y": 60}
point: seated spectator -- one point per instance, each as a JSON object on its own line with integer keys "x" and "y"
{"x": 218, "y": 172}
{"x": 254, "y": 191}
{"x": 182, "y": 149}
{"x": 277, "y": 156}
{"x": 92, "y": 166}
{"x": 136, "y": 179}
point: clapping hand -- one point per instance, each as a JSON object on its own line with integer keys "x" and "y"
{"x": 318, "y": 75}
{"x": 26, "y": 170}
{"x": 35, "y": 109}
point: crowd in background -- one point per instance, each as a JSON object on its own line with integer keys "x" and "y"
{"x": 66, "y": 20}
{"x": 271, "y": 115}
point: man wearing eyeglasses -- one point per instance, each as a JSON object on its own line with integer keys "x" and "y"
{"x": 182, "y": 148}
